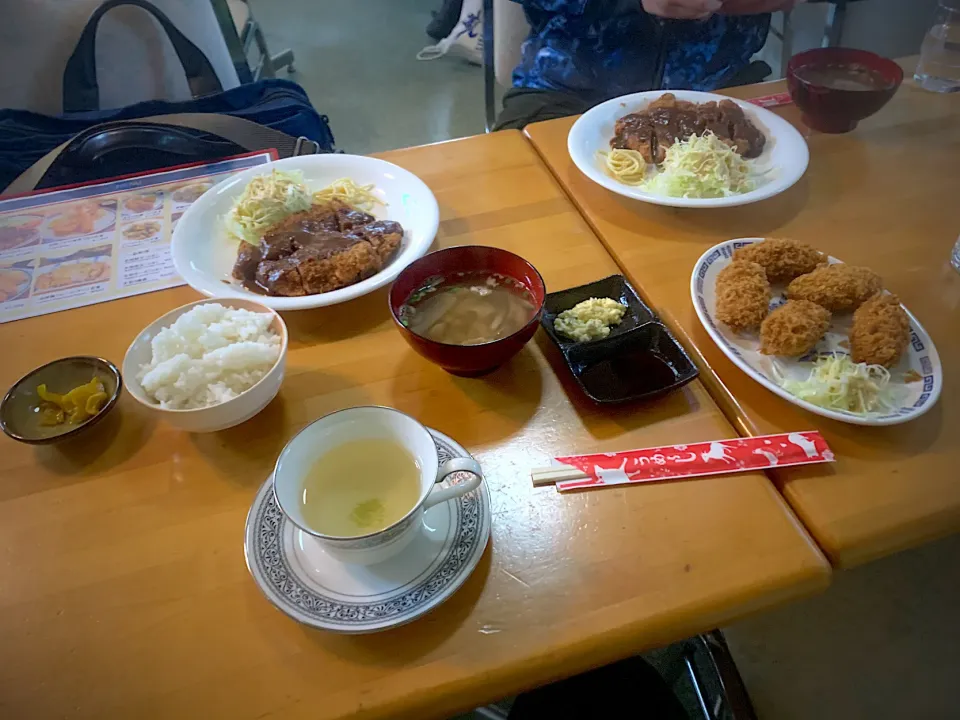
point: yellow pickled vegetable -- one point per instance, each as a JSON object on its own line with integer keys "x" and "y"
{"x": 48, "y": 396}
{"x": 74, "y": 407}
{"x": 95, "y": 403}
{"x": 51, "y": 415}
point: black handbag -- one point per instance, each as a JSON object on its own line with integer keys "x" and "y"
{"x": 86, "y": 143}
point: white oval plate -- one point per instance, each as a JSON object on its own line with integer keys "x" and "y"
{"x": 203, "y": 253}
{"x": 297, "y": 575}
{"x": 744, "y": 348}
{"x": 783, "y": 160}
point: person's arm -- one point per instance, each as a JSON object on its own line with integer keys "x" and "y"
{"x": 756, "y": 7}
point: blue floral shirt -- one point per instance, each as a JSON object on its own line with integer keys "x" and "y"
{"x": 599, "y": 49}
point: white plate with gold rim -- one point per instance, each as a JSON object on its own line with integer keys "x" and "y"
{"x": 303, "y": 581}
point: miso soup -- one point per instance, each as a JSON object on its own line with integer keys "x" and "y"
{"x": 843, "y": 77}
{"x": 468, "y": 308}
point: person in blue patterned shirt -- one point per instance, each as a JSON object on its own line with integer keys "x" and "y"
{"x": 582, "y": 52}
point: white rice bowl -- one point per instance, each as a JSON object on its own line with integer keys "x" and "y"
{"x": 209, "y": 355}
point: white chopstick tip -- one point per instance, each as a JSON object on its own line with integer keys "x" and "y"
{"x": 554, "y": 474}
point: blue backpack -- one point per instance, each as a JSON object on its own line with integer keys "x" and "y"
{"x": 85, "y": 143}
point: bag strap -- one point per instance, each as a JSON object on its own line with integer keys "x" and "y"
{"x": 81, "y": 92}
{"x": 248, "y": 135}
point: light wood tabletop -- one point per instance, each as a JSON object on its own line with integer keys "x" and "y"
{"x": 125, "y": 592}
{"x": 883, "y": 196}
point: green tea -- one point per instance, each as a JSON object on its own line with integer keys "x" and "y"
{"x": 360, "y": 487}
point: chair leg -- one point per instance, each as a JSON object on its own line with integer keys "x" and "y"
{"x": 269, "y": 64}
{"x": 283, "y": 59}
{"x": 490, "y": 713}
{"x": 489, "y": 69}
{"x": 734, "y": 691}
{"x": 697, "y": 683}
{"x": 264, "y": 68}
{"x": 786, "y": 43}
{"x": 836, "y": 15}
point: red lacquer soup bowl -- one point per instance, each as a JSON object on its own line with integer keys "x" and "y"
{"x": 835, "y": 88}
{"x": 469, "y": 360}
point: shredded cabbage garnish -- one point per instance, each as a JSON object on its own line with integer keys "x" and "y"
{"x": 702, "y": 166}
{"x": 265, "y": 201}
{"x": 838, "y": 383}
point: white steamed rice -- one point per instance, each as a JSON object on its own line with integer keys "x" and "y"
{"x": 208, "y": 356}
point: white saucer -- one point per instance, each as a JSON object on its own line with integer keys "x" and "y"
{"x": 304, "y": 582}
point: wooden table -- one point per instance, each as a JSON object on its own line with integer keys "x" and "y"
{"x": 124, "y": 589}
{"x": 884, "y": 196}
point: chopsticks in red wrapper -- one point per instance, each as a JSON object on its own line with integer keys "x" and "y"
{"x": 769, "y": 101}
{"x": 584, "y": 472}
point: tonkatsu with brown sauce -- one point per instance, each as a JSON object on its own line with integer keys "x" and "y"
{"x": 667, "y": 120}
{"x": 318, "y": 250}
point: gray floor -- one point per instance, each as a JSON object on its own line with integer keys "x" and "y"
{"x": 357, "y": 61}
{"x": 884, "y": 641}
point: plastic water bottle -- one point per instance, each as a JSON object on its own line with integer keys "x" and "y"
{"x": 939, "y": 67}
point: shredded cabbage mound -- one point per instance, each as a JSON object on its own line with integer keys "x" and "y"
{"x": 702, "y": 166}
{"x": 838, "y": 383}
{"x": 265, "y": 201}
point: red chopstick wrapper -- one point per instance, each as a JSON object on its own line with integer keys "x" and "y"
{"x": 706, "y": 458}
{"x": 769, "y": 101}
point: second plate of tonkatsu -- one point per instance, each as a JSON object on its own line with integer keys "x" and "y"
{"x": 825, "y": 335}
{"x": 687, "y": 149}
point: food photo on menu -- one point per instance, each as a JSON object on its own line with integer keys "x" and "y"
{"x": 15, "y": 280}
{"x": 78, "y": 219}
{"x": 84, "y": 267}
{"x": 143, "y": 202}
{"x": 142, "y": 230}
{"x": 19, "y": 231}
{"x": 190, "y": 193}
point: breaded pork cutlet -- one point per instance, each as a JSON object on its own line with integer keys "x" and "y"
{"x": 838, "y": 287}
{"x": 794, "y": 328}
{"x": 880, "y": 331}
{"x": 318, "y": 250}
{"x": 743, "y": 295}
{"x": 782, "y": 259}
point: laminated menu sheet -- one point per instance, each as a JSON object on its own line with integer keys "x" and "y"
{"x": 68, "y": 247}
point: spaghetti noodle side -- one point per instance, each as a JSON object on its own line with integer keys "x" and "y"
{"x": 627, "y": 166}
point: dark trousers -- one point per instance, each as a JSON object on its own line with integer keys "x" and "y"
{"x": 627, "y": 689}
{"x": 522, "y": 106}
